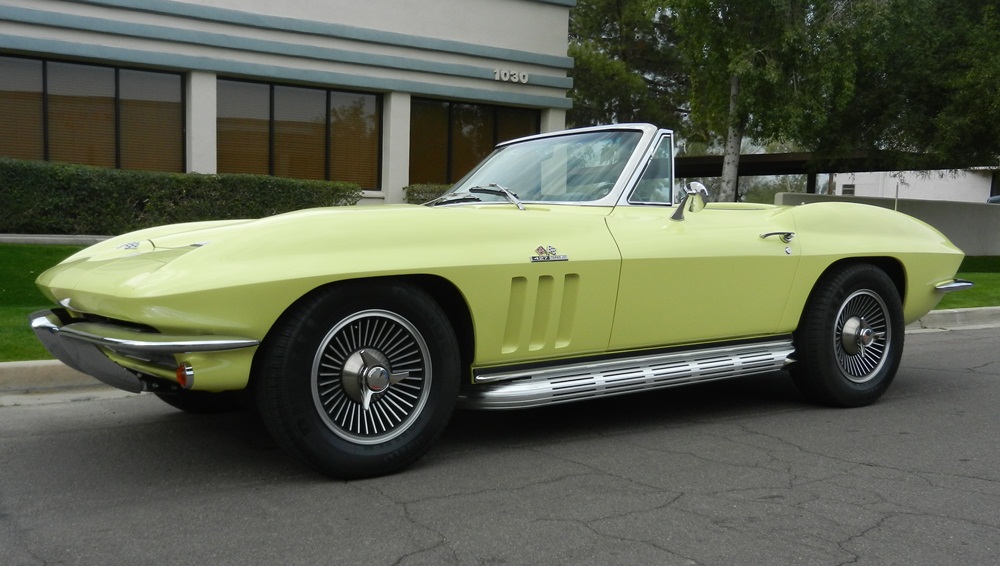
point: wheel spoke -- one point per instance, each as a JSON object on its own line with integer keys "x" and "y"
{"x": 861, "y": 336}
{"x": 371, "y": 376}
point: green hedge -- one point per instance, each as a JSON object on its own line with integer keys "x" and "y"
{"x": 419, "y": 194}
{"x": 38, "y": 197}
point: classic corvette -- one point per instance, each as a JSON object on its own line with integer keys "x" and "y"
{"x": 560, "y": 269}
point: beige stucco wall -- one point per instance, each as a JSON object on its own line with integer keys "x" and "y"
{"x": 513, "y": 24}
{"x": 961, "y": 186}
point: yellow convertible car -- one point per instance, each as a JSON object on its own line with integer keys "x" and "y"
{"x": 560, "y": 269}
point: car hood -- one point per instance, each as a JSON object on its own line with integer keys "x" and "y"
{"x": 323, "y": 244}
{"x": 371, "y": 235}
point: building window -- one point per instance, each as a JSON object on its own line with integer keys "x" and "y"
{"x": 81, "y": 114}
{"x": 847, "y": 190}
{"x": 244, "y": 116}
{"x": 151, "y": 117}
{"x": 448, "y": 139}
{"x": 90, "y": 114}
{"x": 355, "y": 138}
{"x": 306, "y": 133}
{"x": 299, "y": 132}
{"x": 22, "y": 120}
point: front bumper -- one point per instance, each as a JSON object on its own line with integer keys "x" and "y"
{"x": 952, "y": 285}
{"x": 140, "y": 357}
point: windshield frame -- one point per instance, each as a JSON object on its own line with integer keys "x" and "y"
{"x": 648, "y": 134}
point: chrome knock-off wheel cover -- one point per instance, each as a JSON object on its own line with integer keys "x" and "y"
{"x": 862, "y": 336}
{"x": 371, "y": 377}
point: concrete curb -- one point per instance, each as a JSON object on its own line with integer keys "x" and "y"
{"x": 959, "y": 318}
{"x": 46, "y": 376}
{"x": 50, "y": 239}
{"x": 42, "y": 376}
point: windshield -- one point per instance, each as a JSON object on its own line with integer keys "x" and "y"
{"x": 577, "y": 168}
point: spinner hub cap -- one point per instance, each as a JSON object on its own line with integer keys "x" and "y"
{"x": 862, "y": 336}
{"x": 371, "y": 377}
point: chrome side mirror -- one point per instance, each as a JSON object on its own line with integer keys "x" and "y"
{"x": 694, "y": 200}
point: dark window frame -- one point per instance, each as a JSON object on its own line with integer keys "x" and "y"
{"x": 496, "y": 109}
{"x": 46, "y": 126}
{"x": 328, "y": 126}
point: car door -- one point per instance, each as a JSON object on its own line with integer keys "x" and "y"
{"x": 711, "y": 276}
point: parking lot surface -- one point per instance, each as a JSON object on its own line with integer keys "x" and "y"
{"x": 737, "y": 472}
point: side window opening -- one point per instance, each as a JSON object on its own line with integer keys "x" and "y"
{"x": 655, "y": 186}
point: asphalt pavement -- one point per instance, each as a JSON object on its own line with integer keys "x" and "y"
{"x": 737, "y": 472}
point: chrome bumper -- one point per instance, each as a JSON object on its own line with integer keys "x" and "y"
{"x": 79, "y": 345}
{"x": 954, "y": 285}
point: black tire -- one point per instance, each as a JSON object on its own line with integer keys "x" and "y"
{"x": 850, "y": 338}
{"x": 359, "y": 380}
{"x": 202, "y": 402}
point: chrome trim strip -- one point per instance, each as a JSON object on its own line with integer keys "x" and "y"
{"x": 127, "y": 340}
{"x": 78, "y": 345}
{"x": 954, "y": 285}
{"x": 574, "y": 382}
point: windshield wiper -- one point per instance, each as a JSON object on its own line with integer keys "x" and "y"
{"x": 495, "y": 189}
{"x": 453, "y": 199}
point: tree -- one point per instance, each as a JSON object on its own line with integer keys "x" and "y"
{"x": 925, "y": 90}
{"x": 914, "y": 81}
{"x": 761, "y": 68}
{"x": 626, "y": 66}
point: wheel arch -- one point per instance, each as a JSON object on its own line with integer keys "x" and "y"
{"x": 441, "y": 290}
{"x": 890, "y": 265}
{"x": 456, "y": 308}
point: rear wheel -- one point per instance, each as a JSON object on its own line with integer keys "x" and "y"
{"x": 359, "y": 381}
{"x": 850, "y": 338}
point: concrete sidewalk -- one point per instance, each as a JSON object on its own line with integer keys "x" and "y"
{"x": 53, "y": 376}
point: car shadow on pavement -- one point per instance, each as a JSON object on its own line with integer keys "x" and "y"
{"x": 153, "y": 440}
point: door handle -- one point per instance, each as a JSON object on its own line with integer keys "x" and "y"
{"x": 783, "y": 236}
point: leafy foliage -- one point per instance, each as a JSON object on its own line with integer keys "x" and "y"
{"x": 915, "y": 80}
{"x": 925, "y": 86}
{"x": 419, "y": 194}
{"x": 627, "y": 68}
{"x": 767, "y": 69}
{"x": 54, "y": 198}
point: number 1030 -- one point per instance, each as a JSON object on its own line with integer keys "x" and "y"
{"x": 509, "y": 76}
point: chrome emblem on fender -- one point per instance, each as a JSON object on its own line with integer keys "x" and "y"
{"x": 549, "y": 253}
{"x": 128, "y": 246}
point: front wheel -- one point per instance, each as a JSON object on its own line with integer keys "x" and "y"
{"x": 359, "y": 380}
{"x": 850, "y": 338}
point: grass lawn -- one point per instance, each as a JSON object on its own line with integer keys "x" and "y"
{"x": 985, "y": 273}
{"x": 20, "y": 264}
